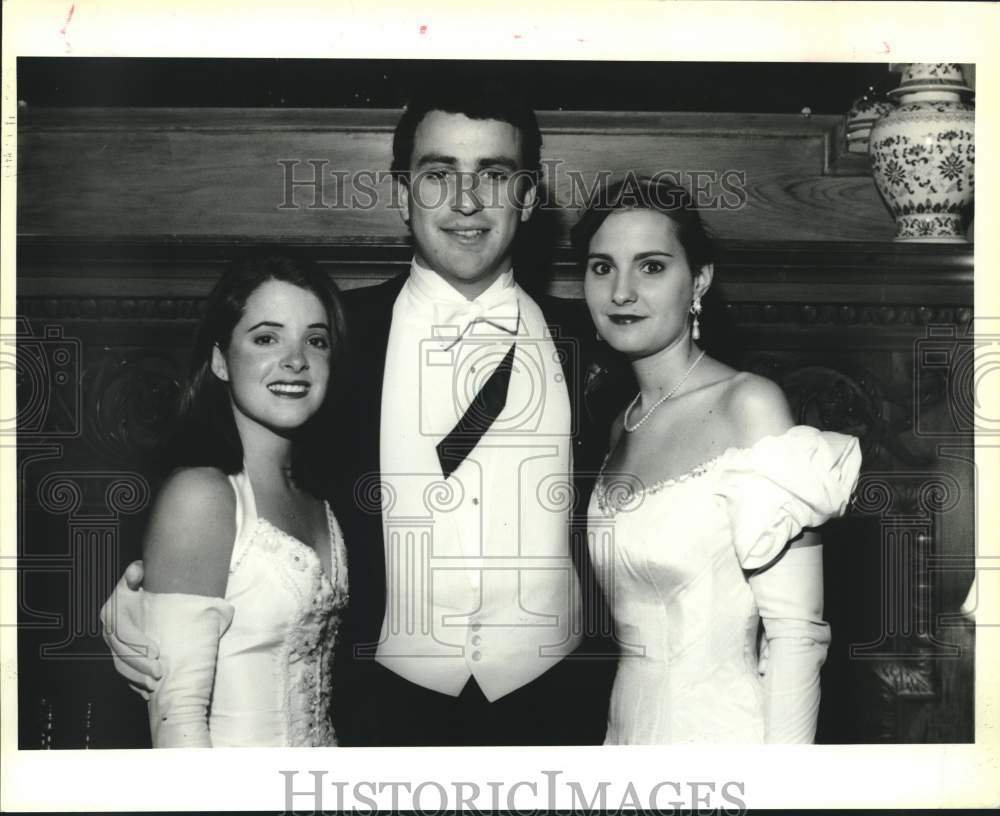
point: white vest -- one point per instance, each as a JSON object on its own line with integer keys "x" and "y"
{"x": 479, "y": 578}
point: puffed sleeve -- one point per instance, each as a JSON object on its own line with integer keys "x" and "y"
{"x": 772, "y": 490}
{"x": 187, "y": 629}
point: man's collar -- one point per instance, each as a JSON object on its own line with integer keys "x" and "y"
{"x": 453, "y": 315}
{"x": 432, "y": 286}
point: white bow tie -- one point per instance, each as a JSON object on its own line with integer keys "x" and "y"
{"x": 453, "y": 319}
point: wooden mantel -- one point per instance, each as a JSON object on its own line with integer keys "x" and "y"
{"x": 223, "y": 173}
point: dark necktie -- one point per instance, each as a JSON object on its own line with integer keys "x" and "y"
{"x": 484, "y": 409}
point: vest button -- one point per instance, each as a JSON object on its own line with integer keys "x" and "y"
{"x": 476, "y": 640}
{"x": 476, "y": 626}
{"x": 477, "y": 656}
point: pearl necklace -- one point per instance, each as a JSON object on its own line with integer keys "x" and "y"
{"x": 660, "y": 401}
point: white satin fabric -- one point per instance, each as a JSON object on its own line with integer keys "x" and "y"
{"x": 253, "y": 669}
{"x": 674, "y": 560}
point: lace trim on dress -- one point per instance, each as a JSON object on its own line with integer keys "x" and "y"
{"x": 308, "y": 649}
{"x": 614, "y": 494}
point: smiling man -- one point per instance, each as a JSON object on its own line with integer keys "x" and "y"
{"x": 455, "y": 458}
{"x": 463, "y": 587}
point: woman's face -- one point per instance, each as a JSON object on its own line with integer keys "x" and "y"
{"x": 278, "y": 361}
{"x": 638, "y": 284}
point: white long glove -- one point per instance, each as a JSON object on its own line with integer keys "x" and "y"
{"x": 135, "y": 656}
{"x": 187, "y": 629}
{"x": 789, "y": 596}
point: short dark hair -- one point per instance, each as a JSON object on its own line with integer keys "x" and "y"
{"x": 645, "y": 193}
{"x": 477, "y": 98}
{"x": 206, "y": 433}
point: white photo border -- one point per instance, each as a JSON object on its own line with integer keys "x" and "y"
{"x": 773, "y": 776}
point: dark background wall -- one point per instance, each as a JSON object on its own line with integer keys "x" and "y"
{"x": 731, "y": 87}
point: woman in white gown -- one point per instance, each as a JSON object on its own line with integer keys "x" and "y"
{"x": 245, "y": 568}
{"x": 699, "y": 523}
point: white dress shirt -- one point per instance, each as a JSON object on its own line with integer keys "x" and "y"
{"x": 479, "y": 579}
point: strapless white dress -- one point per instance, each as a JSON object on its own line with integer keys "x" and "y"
{"x": 673, "y": 559}
{"x": 253, "y": 669}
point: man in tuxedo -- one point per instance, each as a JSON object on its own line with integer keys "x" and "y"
{"x": 474, "y": 655}
{"x": 455, "y": 458}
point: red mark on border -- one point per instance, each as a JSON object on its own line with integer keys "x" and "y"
{"x": 517, "y": 36}
{"x": 69, "y": 17}
{"x": 423, "y": 29}
{"x": 62, "y": 31}
{"x": 887, "y": 49}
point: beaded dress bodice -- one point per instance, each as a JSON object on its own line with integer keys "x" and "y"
{"x": 273, "y": 682}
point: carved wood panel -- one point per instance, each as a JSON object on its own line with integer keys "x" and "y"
{"x": 103, "y": 343}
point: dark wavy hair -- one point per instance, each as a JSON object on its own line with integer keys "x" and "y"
{"x": 206, "y": 433}
{"x": 644, "y": 193}
{"x": 477, "y": 97}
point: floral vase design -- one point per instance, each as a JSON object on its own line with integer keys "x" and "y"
{"x": 923, "y": 153}
{"x": 864, "y": 112}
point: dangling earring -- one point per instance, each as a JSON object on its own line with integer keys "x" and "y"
{"x": 696, "y": 311}
{"x": 598, "y": 336}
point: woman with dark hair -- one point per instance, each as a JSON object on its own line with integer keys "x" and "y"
{"x": 245, "y": 568}
{"x": 699, "y": 522}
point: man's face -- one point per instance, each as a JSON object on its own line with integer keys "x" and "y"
{"x": 468, "y": 192}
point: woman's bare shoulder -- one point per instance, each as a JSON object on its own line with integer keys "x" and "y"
{"x": 189, "y": 539}
{"x": 756, "y": 406}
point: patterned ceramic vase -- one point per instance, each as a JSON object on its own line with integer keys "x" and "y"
{"x": 923, "y": 153}
{"x": 864, "y": 112}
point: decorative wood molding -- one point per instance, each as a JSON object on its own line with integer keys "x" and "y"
{"x": 910, "y": 681}
{"x": 913, "y": 681}
{"x": 786, "y": 271}
{"x": 824, "y": 128}
{"x": 791, "y": 295}
{"x": 744, "y": 314}
{"x": 130, "y": 401}
{"x": 847, "y": 314}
